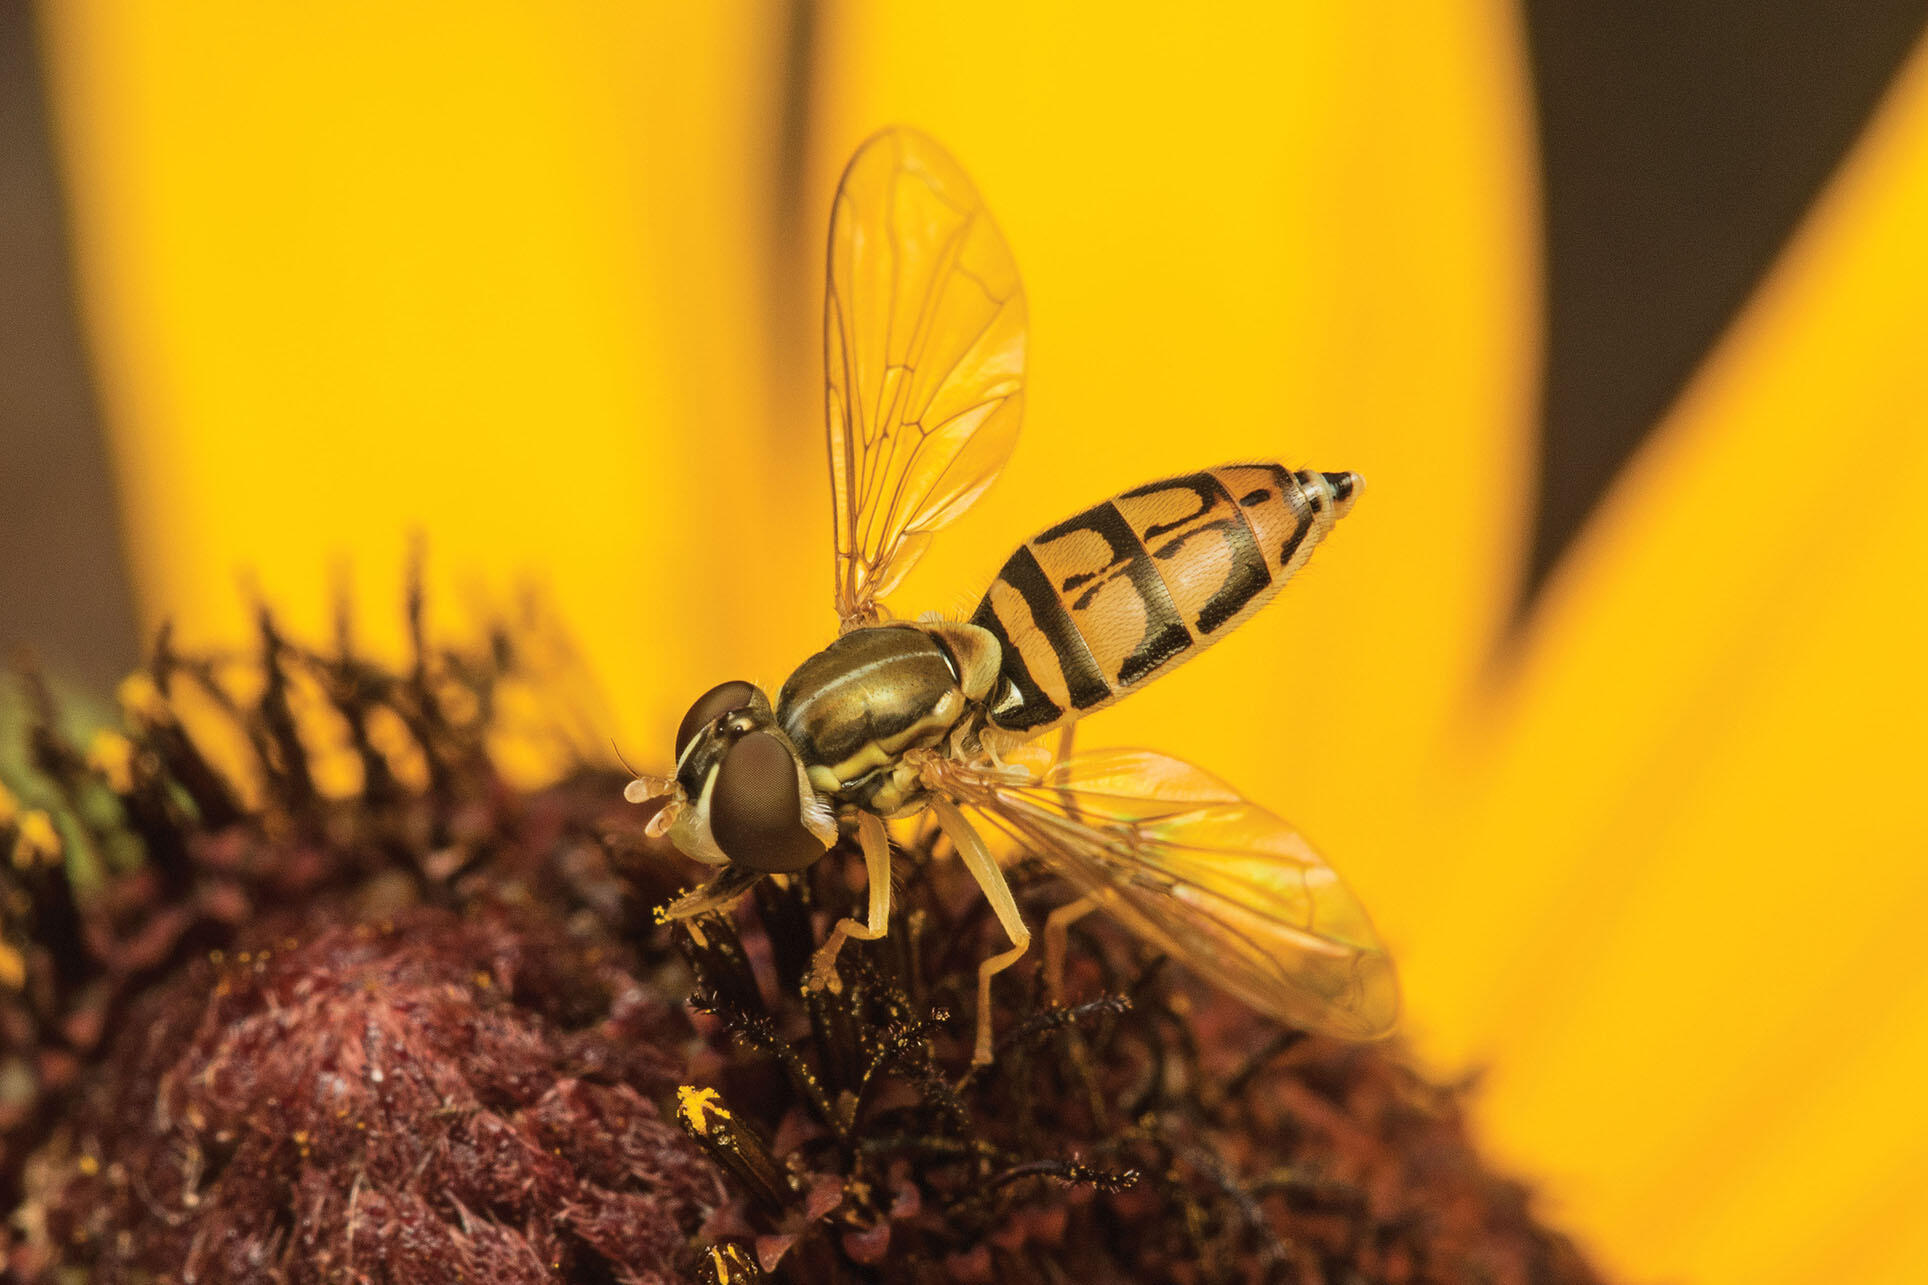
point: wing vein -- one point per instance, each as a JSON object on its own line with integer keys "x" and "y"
{"x": 923, "y": 359}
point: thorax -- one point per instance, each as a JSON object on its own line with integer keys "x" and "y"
{"x": 858, "y": 706}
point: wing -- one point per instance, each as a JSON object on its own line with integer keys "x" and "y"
{"x": 924, "y": 333}
{"x": 1182, "y": 860}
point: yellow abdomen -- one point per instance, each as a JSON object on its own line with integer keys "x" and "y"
{"x": 1110, "y": 598}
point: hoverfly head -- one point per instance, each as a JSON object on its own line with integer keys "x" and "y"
{"x": 740, "y": 793}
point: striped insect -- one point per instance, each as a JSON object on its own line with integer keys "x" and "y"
{"x": 925, "y": 328}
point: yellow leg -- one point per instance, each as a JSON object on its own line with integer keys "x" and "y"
{"x": 984, "y": 868}
{"x": 1065, "y": 798}
{"x": 1056, "y": 927}
{"x": 876, "y": 844}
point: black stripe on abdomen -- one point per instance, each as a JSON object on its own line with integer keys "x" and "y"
{"x": 1022, "y": 705}
{"x": 1245, "y": 579}
{"x": 1028, "y": 705}
{"x": 1126, "y": 560}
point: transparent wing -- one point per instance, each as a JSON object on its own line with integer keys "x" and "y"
{"x": 1182, "y": 860}
{"x": 924, "y": 334}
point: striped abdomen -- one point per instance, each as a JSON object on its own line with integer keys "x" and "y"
{"x": 1109, "y": 599}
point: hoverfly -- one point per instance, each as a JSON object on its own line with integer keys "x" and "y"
{"x": 925, "y": 326}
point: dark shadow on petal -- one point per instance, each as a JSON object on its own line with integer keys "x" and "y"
{"x": 1681, "y": 145}
{"x": 63, "y": 587}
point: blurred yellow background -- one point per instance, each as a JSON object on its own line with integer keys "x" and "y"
{"x": 521, "y": 279}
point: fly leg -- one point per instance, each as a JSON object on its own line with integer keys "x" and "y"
{"x": 1058, "y": 925}
{"x": 876, "y": 844}
{"x": 1056, "y": 929}
{"x": 1066, "y": 799}
{"x": 984, "y": 868}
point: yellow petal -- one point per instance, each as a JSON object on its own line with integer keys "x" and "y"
{"x": 1684, "y": 917}
{"x": 478, "y": 273}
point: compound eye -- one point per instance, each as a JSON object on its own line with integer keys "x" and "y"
{"x": 755, "y": 811}
{"x": 710, "y": 706}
